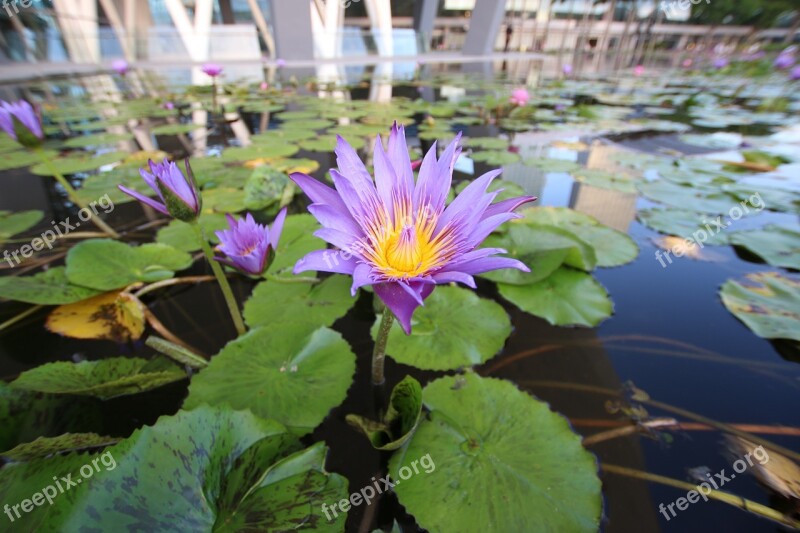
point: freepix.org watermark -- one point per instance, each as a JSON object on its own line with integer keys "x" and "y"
{"x": 59, "y": 230}
{"x": 61, "y": 485}
{"x": 12, "y": 6}
{"x": 714, "y": 482}
{"x": 712, "y": 227}
{"x": 368, "y": 493}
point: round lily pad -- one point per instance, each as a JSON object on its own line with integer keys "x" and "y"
{"x": 567, "y": 297}
{"x": 499, "y": 456}
{"x": 282, "y": 372}
{"x": 13, "y": 223}
{"x": 767, "y": 302}
{"x": 694, "y": 198}
{"x": 777, "y": 245}
{"x": 684, "y": 224}
{"x": 50, "y": 287}
{"x": 454, "y": 328}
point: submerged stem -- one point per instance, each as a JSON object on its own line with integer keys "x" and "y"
{"x": 230, "y": 300}
{"x": 379, "y": 353}
{"x": 72, "y": 194}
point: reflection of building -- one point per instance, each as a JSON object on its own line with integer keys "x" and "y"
{"x": 613, "y": 208}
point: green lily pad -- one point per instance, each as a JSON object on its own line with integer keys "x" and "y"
{"x": 323, "y": 143}
{"x": 297, "y": 239}
{"x": 21, "y": 158}
{"x": 693, "y": 198}
{"x": 401, "y": 420}
{"x": 501, "y": 457}
{"x": 454, "y": 328}
{"x": 767, "y": 302}
{"x": 283, "y": 372}
{"x": 496, "y": 157}
{"x": 46, "y": 446}
{"x": 777, "y": 245}
{"x": 106, "y": 184}
{"x": 181, "y": 236}
{"x": 175, "y": 129}
{"x": 97, "y": 139}
{"x": 565, "y": 298}
{"x": 282, "y": 136}
{"x": 553, "y": 165}
{"x": 265, "y": 187}
{"x": 606, "y": 180}
{"x": 105, "y": 264}
{"x": 487, "y": 143}
{"x": 224, "y": 200}
{"x": 312, "y": 305}
{"x": 611, "y": 247}
{"x": 14, "y": 223}
{"x": 684, "y": 224}
{"x": 509, "y": 189}
{"x": 310, "y": 124}
{"x": 77, "y": 162}
{"x": 106, "y": 378}
{"x": 259, "y": 151}
{"x": 50, "y": 287}
{"x": 231, "y": 470}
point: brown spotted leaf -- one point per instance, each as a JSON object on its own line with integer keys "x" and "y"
{"x": 113, "y": 316}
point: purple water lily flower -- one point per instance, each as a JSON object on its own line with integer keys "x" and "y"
{"x": 720, "y": 63}
{"x": 178, "y": 193}
{"x": 567, "y": 69}
{"x": 795, "y": 73}
{"x": 212, "y": 69}
{"x": 249, "y": 246}
{"x": 397, "y": 234}
{"x": 783, "y": 61}
{"x": 120, "y": 66}
{"x": 280, "y": 63}
{"x": 21, "y": 122}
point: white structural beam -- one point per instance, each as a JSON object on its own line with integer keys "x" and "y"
{"x": 78, "y": 22}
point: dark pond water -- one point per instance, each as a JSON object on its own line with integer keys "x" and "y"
{"x": 670, "y": 335}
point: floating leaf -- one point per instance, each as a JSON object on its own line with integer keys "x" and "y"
{"x": 175, "y": 129}
{"x": 97, "y": 139}
{"x": 297, "y": 239}
{"x": 703, "y": 199}
{"x": 777, "y": 245}
{"x": 259, "y": 151}
{"x": 50, "y": 287}
{"x": 606, "y": 180}
{"x": 503, "y": 458}
{"x": 232, "y": 470}
{"x": 21, "y": 158}
{"x": 567, "y": 297}
{"x": 181, "y": 236}
{"x": 265, "y": 187}
{"x": 402, "y": 418}
{"x": 223, "y": 200}
{"x": 46, "y": 446}
{"x": 313, "y": 305}
{"x": 105, "y": 264}
{"x": 768, "y": 303}
{"x": 684, "y": 224}
{"x": 496, "y": 157}
{"x": 487, "y": 143}
{"x": 13, "y": 223}
{"x": 552, "y": 165}
{"x": 104, "y": 379}
{"x": 283, "y": 372}
{"x": 114, "y": 316}
{"x": 454, "y": 328}
{"x": 77, "y": 162}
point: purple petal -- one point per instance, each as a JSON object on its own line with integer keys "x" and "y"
{"x": 465, "y": 205}
{"x": 458, "y": 277}
{"x": 326, "y": 261}
{"x": 363, "y": 205}
{"x": 397, "y": 150}
{"x": 390, "y": 187}
{"x": 330, "y": 217}
{"x": 318, "y": 192}
{"x": 486, "y": 226}
{"x": 400, "y": 302}
{"x": 7, "y": 123}
{"x": 144, "y": 199}
{"x": 485, "y": 264}
{"x": 351, "y": 167}
{"x": 343, "y": 241}
{"x": 506, "y": 206}
{"x": 362, "y": 275}
{"x": 277, "y": 228}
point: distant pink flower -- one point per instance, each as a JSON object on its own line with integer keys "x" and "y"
{"x": 212, "y": 69}
{"x": 638, "y": 70}
{"x": 120, "y": 66}
{"x": 520, "y": 96}
{"x": 264, "y": 86}
{"x": 168, "y": 105}
{"x": 687, "y": 63}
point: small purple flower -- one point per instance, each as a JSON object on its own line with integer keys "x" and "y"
{"x": 520, "y": 96}
{"x": 280, "y": 63}
{"x": 396, "y": 233}
{"x": 178, "y": 193}
{"x": 212, "y": 69}
{"x": 720, "y": 63}
{"x": 168, "y": 105}
{"x": 249, "y": 246}
{"x": 120, "y": 66}
{"x": 21, "y": 122}
{"x": 795, "y": 73}
{"x": 567, "y": 69}
{"x": 783, "y": 61}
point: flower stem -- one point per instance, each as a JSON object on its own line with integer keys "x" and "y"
{"x": 233, "y": 306}
{"x": 72, "y": 194}
{"x": 294, "y": 279}
{"x": 379, "y": 353}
